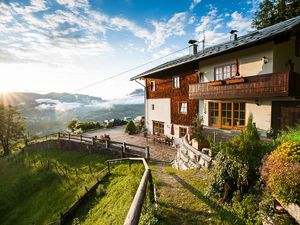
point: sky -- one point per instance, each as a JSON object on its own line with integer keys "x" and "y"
{"x": 67, "y": 45}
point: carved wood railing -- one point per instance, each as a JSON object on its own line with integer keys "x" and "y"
{"x": 265, "y": 85}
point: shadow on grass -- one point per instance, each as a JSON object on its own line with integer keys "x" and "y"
{"x": 224, "y": 214}
{"x": 174, "y": 215}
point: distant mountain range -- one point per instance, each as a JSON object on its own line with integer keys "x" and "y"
{"x": 47, "y": 113}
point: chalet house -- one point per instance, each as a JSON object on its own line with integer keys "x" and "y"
{"x": 257, "y": 73}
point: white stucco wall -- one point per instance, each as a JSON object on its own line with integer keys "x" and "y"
{"x": 261, "y": 113}
{"x": 161, "y": 112}
{"x": 250, "y": 62}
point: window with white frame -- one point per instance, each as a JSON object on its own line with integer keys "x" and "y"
{"x": 152, "y": 85}
{"x": 225, "y": 71}
{"x": 176, "y": 82}
{"x": 183, "y": 107}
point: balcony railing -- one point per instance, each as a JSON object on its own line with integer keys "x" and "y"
{"x": 266, "y": 85}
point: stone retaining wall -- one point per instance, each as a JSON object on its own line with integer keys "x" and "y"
{"x": 67, "y": 145}
{"x": 188, "y": 157}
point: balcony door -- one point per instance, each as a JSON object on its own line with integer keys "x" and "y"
{"x": 226, "y": 115}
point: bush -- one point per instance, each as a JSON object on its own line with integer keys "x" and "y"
{"x": 281, "y": 171}
{"x": 130, "y": 128}
{"x": 197, "y": 129}
{"x": 237, "y": 163}
{"x": 292, "y": 134}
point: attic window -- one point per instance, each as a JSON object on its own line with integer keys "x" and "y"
{"x": 152, "y": 85}
{"x": 176, "y": 82}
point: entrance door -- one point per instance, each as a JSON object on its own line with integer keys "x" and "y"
{"x": 285, "y": 114}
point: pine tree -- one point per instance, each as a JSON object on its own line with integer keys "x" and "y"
{"x": 281, "y": 11}
{"x": 271, "y": 12}
{"x": 293, "y": 8}
{"x": 265, "y": 16}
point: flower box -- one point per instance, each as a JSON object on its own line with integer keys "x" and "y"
{"x": 236, "y": 80}
{"x": 215, "y": 83}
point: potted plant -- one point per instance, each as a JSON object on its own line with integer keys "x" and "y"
{"x": 199, "y": 141}
{"x": 236, "y": 80}
{"x": 215, "y": 83}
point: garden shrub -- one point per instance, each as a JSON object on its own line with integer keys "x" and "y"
{"x": 130, "y": 128}
{"x": 281, "y": 172}
{"x": 237, "y": 163}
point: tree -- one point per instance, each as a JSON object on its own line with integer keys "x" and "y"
{"x": 130, "y": 128}
{"x": 73, "y": 125}
{"x": 271, "y": 12}
{"x": 265, "y": 16}
{"x": 12, "y": 127}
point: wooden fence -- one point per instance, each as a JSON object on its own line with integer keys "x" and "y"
{"x": 123, "y": 147}
{"x": 134, "y": 212}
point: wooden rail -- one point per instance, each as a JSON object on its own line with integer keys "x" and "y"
{"x": 134, "y": 212}
{"x": 123, "y": 147}
{"x": 265, "y": 85}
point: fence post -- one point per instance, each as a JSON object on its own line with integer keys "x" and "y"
{"x": 215, "y": 134}
{"x": 122, "y": 151}
{"x": 80, "y": 138}
{"x": 108, "y": 168}
{"x": 69, "y": 137}
{"x": 124, "y": 146}
{"x": 107, "y": 144}
{"x": 147, "y": 153}
{"x": 151, "y": 186}
{"x": 58, "y": 135}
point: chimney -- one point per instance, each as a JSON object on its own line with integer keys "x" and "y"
{"x": 193, "y": 47}
{"x": 233, "y": 34}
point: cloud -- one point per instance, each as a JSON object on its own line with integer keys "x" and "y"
{"x": 168, "y": 53}
{"x": 240, "y": 23}
{"x": 52, "y": 104}
{"x": 194, "y": 4}
{"x": 163, "y": 30}
{"x": 75, "y": 5}
{"x": 210, "y": 26}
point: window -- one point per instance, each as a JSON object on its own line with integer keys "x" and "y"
{"x": 152, "y": 85}
{"x": 182, "y": 131}
{"x": 183, "y": 107}
{"x": 227, "y": 114}
{"x": 158, "y": 127}
{"x": 152, "y": 106}
{"x": 176, "y": 82}
{"x": 225, "y": 72}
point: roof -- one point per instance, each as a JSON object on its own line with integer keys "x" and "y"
{"x": 254, "y": 37}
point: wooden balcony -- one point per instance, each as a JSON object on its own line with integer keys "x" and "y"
{"x": 265, "y": 85}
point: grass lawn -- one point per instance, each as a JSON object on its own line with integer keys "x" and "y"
{"x": 32, "y": 193}
{"x": 112, "y": 201}
{"x": 182, "y": 199}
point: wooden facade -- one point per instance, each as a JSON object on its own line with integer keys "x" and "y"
{"x": 164, "y": 89}
{"x": 259, "y": 86}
